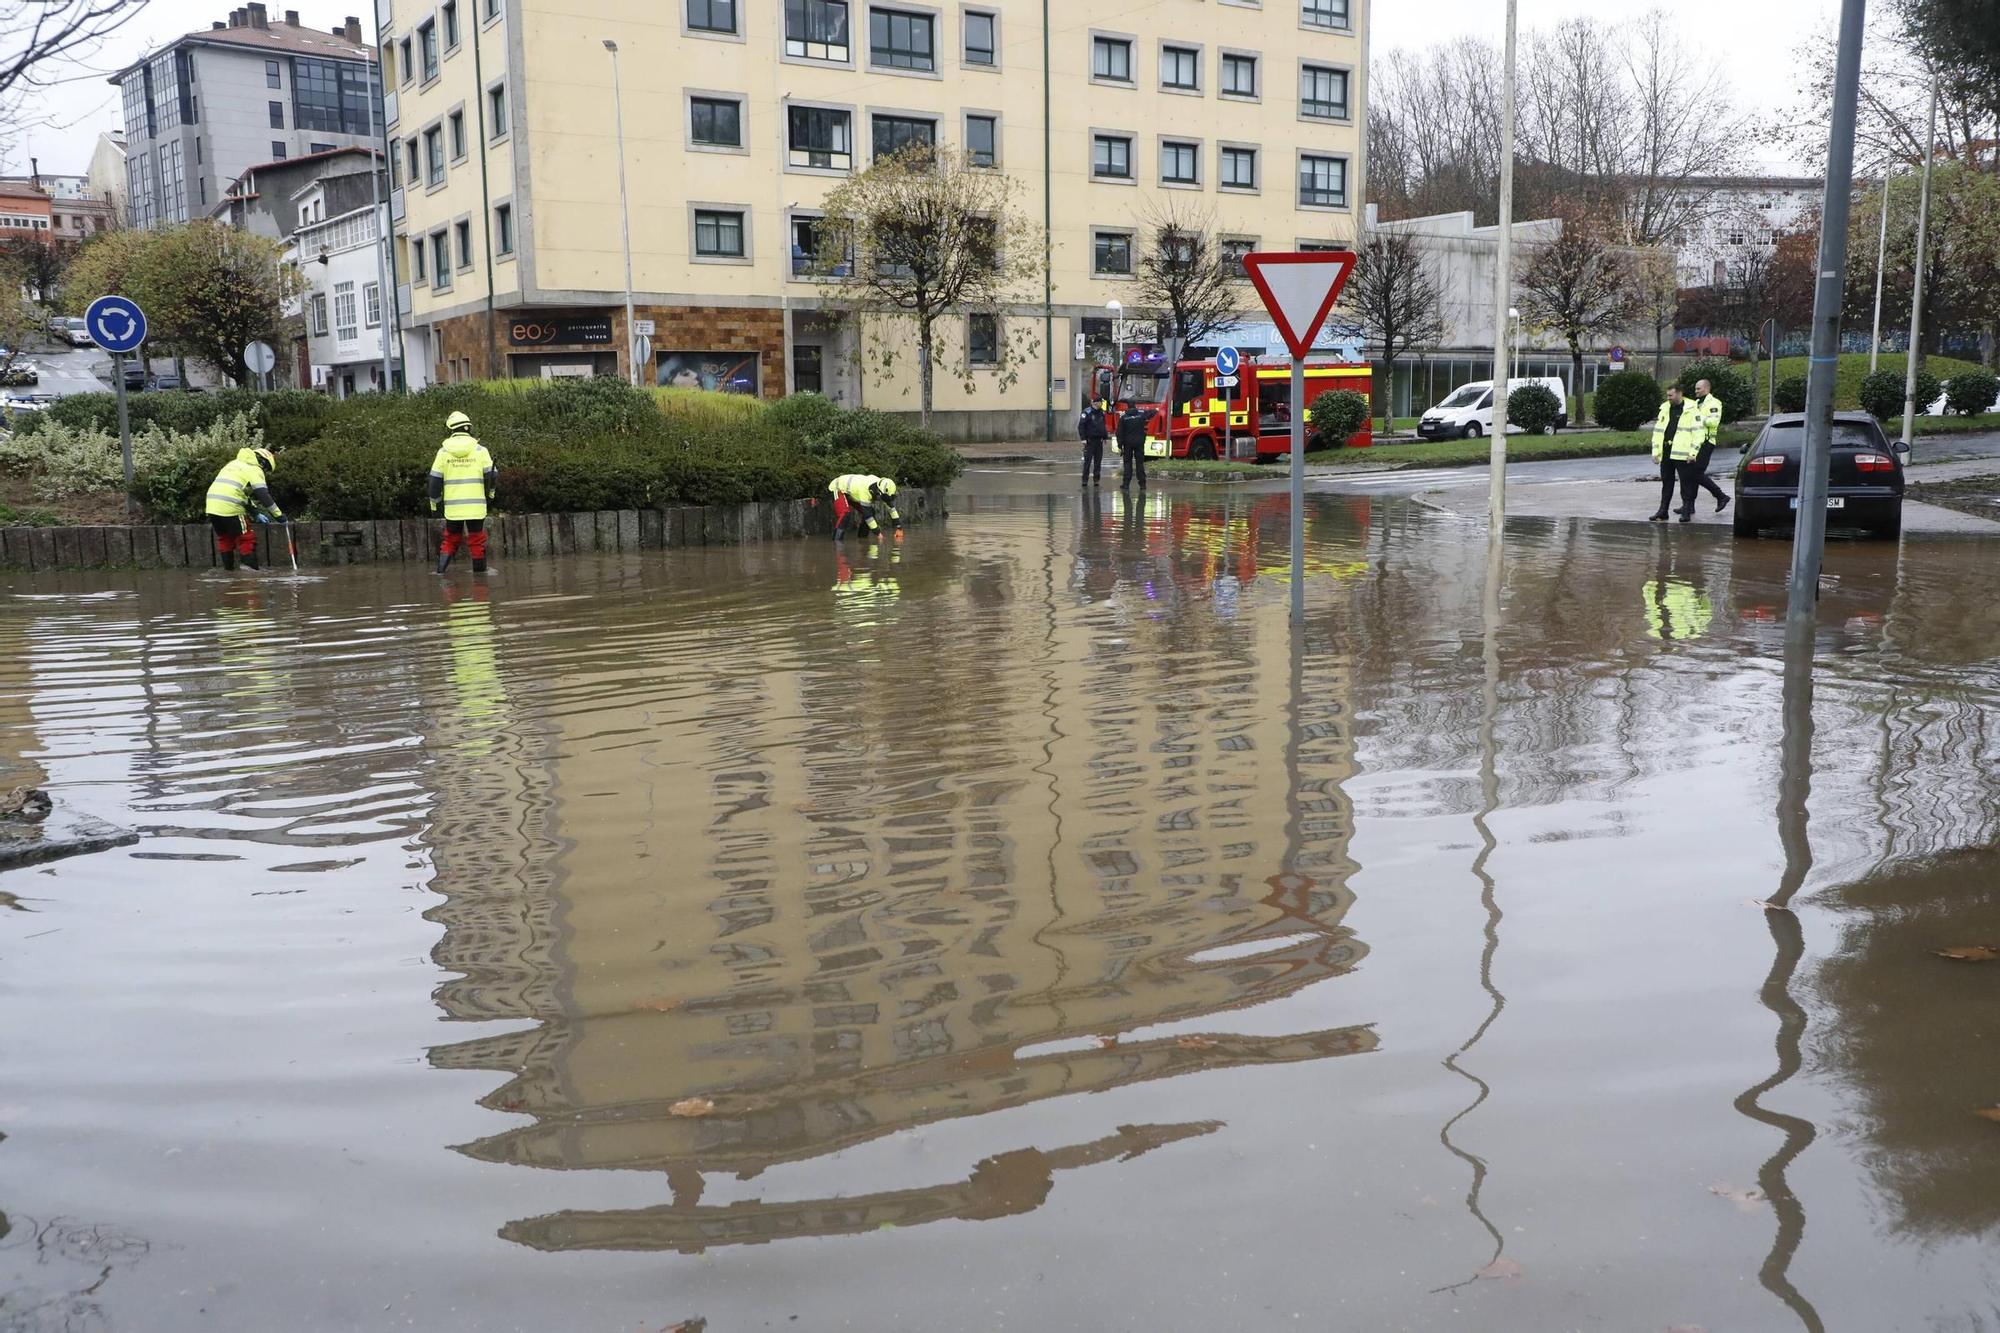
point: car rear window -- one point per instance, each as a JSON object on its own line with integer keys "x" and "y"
{"x": 1846, "y": 435}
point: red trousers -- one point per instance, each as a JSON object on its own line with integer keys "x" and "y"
{"x": 470, "y": 531}
{"x": 233, "y": 536}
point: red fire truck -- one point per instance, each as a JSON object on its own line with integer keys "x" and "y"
{"x": 1207, "y": 420}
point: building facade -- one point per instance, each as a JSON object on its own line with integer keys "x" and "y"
{"x": 26, "y": 209}
{"x": 203, "y": 109}
{"x": 107, "y": 174}
{"x": 1744, "y": 216}
{"x": 740, "y": 117}
{"x": 340, "y": 350}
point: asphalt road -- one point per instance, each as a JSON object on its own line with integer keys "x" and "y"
{"x": 67, "y": 370}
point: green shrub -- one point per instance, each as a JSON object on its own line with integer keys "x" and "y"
{"x": 1534, "y": 408}
{"x": 1336, "y": 415}
{"x": 1882, "y": 393}
{"x": 807, "y": 418}
{"x": 1971, "y": 393}
{"x": 1739, "y": 400}
{"x": 1627, "y": 400}
{"x": 1790, "y": 394}
{"x": 705, "y": 407}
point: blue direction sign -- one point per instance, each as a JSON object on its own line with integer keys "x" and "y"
{"x": 1226, "y": 360}
{"x": 116, "y": 323}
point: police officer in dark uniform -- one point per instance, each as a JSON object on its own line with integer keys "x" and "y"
{"x": 1132, "y": 443}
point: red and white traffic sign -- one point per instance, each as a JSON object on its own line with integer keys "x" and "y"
{"x": 1299, "y": 289}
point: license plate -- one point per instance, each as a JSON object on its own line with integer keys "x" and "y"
{"x": 1832, "y": 502}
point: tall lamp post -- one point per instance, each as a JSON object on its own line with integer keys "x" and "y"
{"x": 1496, "y": 481}
{"x": 1917, "y": 292}
{"x": 624, "y": 211}
{"x": 1881, "y": 254}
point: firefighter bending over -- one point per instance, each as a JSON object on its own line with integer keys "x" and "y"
{"x": 241, "y": 487}
{"x": 462, "y": 476}
{"x": 856, "y": 495}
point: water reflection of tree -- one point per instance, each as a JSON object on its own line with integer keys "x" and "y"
{"x": 1906, "y": 1039}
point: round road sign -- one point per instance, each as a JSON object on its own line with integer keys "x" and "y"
{"x": 259, "y": 357}
{"x": 116, "y": 323}
{"x": 1227, "y": 359}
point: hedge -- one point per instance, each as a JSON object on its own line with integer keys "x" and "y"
{"x": 569, "y": 446}
{"x": 1626, "y": 400}
{"x": 1738, "y": 399}
{"x": 1534, "y": 408}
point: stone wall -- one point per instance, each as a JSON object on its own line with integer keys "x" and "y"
{"x": 512, "y": 536}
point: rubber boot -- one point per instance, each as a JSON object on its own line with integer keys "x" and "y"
{"x": 228, "y": 559}
{"x": 444, "y": 561}
{"x": 478, "y": 565}
{"x": 248, "y": 562}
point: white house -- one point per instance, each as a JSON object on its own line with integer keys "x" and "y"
{"x": 341, "y": 349}
{"x": 1743, "y": 218}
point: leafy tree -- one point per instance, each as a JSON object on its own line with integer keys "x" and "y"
{"x": 919, "y": 238}
{"x": 1336, "y": 414}
{"x": 1179, "y": 277}
{"x": 19, "y": 320}
{"x": 36, "y": 263}
{"x": 208, "y": 290}
{"x": 1971, "y": 393}
{"x": 1534, "y": 408}
{"x": 1580, "y": 286}
{"x": 1395, "y": 292}
{"x": 1626, "y": 401}
{"x": 1962, "y": 262}
{"x": 1739, "y": 399}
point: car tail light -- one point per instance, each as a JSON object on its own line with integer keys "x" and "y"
{"x": 1766, "y": 463}
{"x": 1874, "y": 463}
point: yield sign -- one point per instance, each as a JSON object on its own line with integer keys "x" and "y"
{"x": 1299, "y": 290}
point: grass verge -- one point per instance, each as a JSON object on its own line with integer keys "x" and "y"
{"x": 1445, "y": 453}
{"x": 1847, "y": 379}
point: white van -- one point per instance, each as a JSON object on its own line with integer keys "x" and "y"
{"x": 1468, "y": 410}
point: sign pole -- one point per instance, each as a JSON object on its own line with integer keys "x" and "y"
{"x": 124, "y": 433}
{"x": 1298, "y": 490}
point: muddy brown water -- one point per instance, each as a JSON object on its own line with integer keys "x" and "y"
{"x": 1017, "y": 927}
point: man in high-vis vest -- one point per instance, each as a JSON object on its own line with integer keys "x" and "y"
{"x": 1677, "y": 437}
{"x": 242, "y": 488}
{"x": 855, "y": 495}
{"x": 462, "y": 478}
{"x": 1709, "y": 408}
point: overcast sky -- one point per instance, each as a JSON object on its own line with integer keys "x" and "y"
{"x": 1754, "y": 43}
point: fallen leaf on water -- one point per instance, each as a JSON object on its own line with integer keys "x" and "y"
{"x": 1107, "y": 1042}
{"x": 1768, "y": 906}
{"x": 660, "y": 1006}
{"x": 690, "y": 1107}
{"x": 1990, "y": 1112}
{"x": 1501, "y": 1267}
{"x": 1194, "y": 1043}
{"x": 1970, "y": 953}
{"x": 1744, "y": 1199}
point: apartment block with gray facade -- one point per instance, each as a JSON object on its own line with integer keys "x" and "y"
{"x": 207, "y": 107}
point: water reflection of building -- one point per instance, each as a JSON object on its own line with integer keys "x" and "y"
{"x": 982, "y": 879}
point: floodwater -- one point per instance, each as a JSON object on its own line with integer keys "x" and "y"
{"x": 1014, "y": 928}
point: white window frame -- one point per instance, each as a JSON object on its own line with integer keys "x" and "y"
{"x": 371, "y": 305}
{"x": 350, "y": 330}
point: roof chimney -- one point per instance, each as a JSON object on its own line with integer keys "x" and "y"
{"x": 291, "y": 18}
{"x": 235, "y": 18}
{"x": 352, "y": 30}
{"x": 35, "y": 171}
{"x": 259, "y": 17}
{"x": 217, "y": 26}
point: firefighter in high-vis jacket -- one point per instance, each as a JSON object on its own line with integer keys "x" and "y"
{"x": 462, "y": 479}
{"x": 856, "y": 494}
{"x": 240, "y": 490}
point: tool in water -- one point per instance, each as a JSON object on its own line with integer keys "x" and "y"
{"x": 291, "y": 546}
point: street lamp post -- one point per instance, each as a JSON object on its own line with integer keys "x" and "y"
{"x": 1881, "y": 254}
{"x": 624, "y": 211}
{"x": 1496, "y": 482}
{"x": 1917, "y": 292}
{"x": 1514, "y": 323}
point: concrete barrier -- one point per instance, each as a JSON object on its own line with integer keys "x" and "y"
{"x": 513, "y": 536}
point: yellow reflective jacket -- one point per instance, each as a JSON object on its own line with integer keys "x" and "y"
{"x": 856, "y": 486}
{"x": 460, "y": 475}
{"x": 239, "y": 487}
{"x": 1676, "y": 610}
{"x": 1710, "y": 409}
{"x": 1688, "y": 433}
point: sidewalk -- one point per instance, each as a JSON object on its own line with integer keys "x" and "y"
{"x": 1631, "y": 499}
{"x": 1015, "y": 451}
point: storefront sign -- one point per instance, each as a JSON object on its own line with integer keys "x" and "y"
{"x": 729, "y": 372}
{"x": 559, "y": 331}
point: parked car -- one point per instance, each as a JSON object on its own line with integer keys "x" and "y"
{"x": 165, "y": 380}
{"x": 22, "y": 374}
{"x": 1468, "y": 410}
{"x": 76, "y": 333}
{"x": 1864, "y": 482}
{"x": 135, "y": 376}
{"x": 1938, "y": 407}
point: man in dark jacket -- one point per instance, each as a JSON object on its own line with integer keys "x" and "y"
{"x": 1091, "y": 428}
{"x": 1132, "y": 443}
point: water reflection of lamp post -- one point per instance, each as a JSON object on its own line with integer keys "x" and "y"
{"x": 1117, "y": 309}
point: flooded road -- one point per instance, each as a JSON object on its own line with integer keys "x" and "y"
{"x": 1014, "y": 928}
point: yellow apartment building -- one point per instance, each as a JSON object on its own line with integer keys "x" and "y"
{"x": 740, "y": 115}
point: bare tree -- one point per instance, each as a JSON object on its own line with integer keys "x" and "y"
{"x": 1395, "y": 293}
{"x": 1891, "y": 119}
{"x": 923, "y": 236}
{"x": 1436, "y": 112}
{"x": 1656, "y": 283}
{"x": 1683, "y": 129}
{"x": 38, "y": 34}
{"x": 1581, "y": 286}
{"x": 1180, "y": 279}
